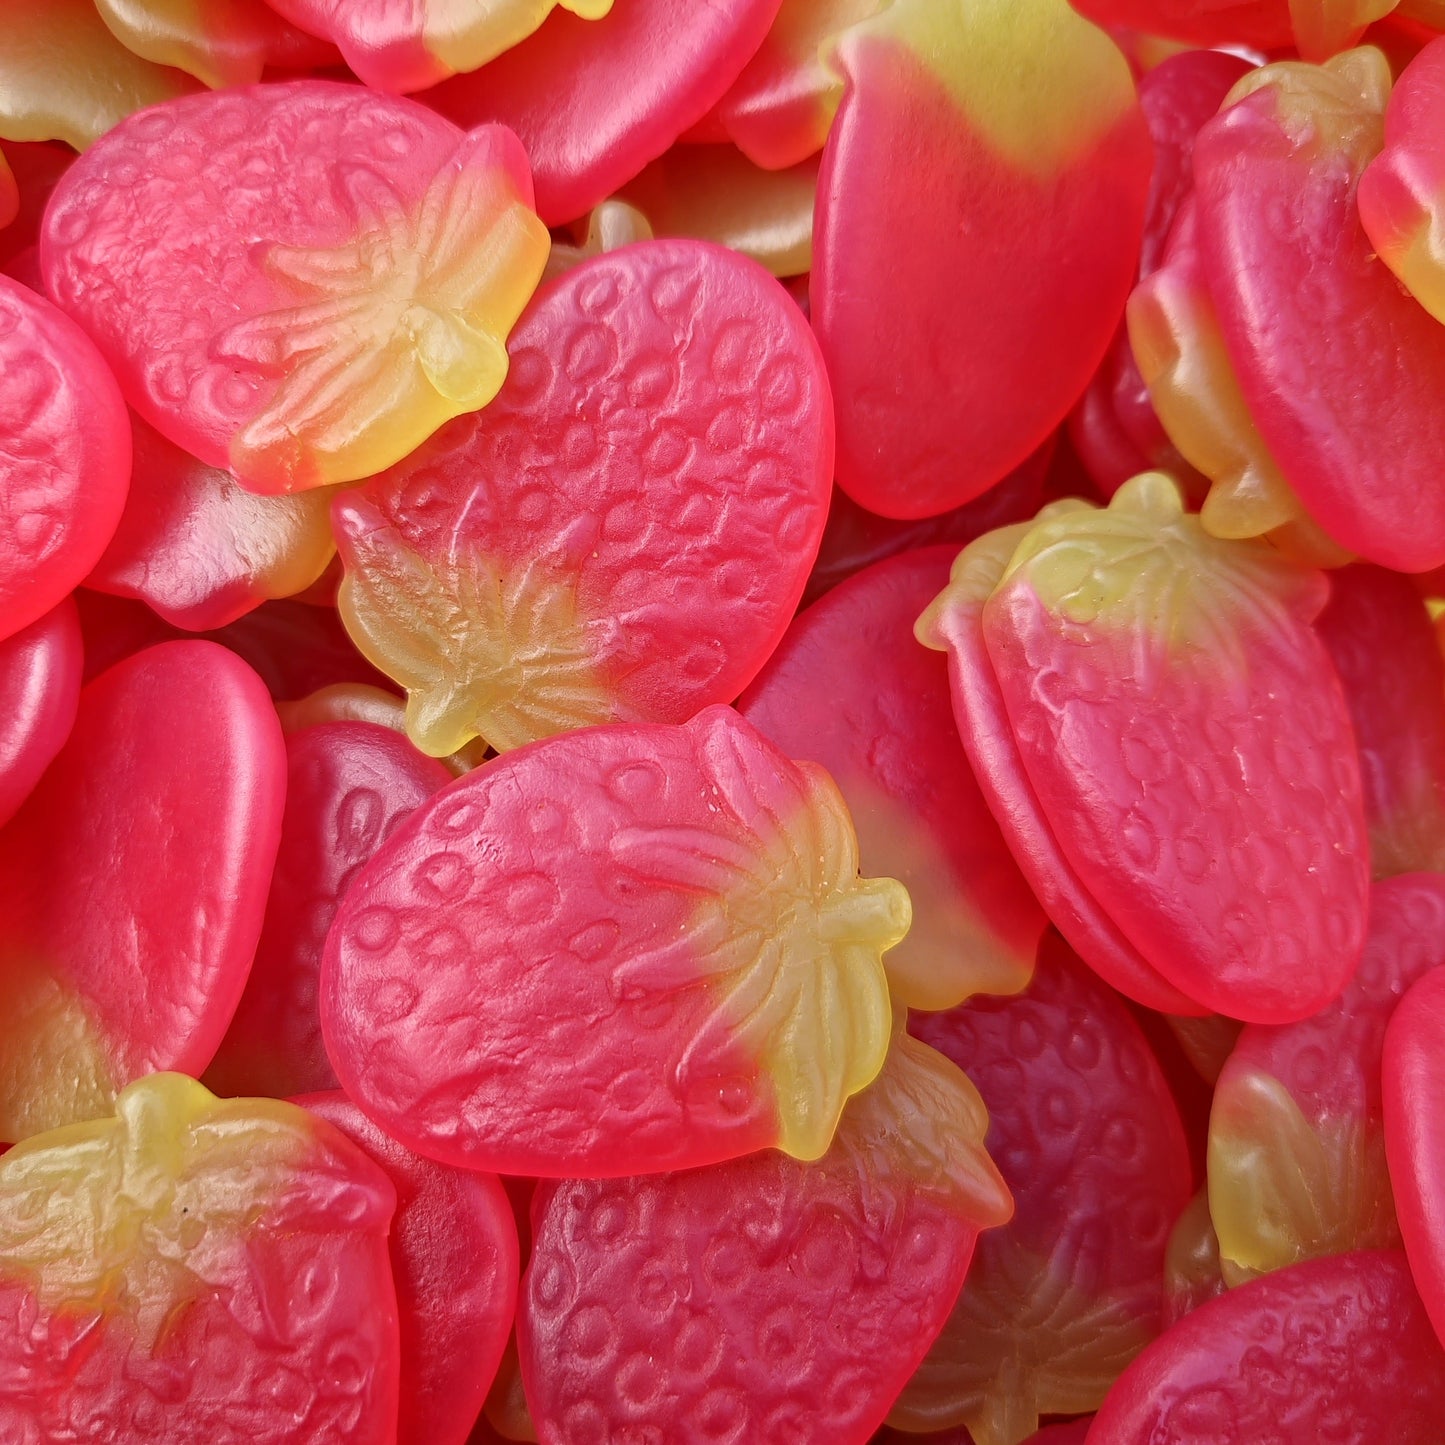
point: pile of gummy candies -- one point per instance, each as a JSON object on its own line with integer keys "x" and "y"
{"x": 721, "y": 722}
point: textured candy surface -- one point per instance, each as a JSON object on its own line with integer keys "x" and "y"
{"x": 133, "y": 882}
{"x": 1296, "y": 1139}
{"x": 761, "y": 1300}
{"x": 65, "y": 77}
{"x": 64, "y": 456}
{"x": 996, "y": 340}
{"x": 594, "y": 100}
{"x": 1337, "y": 1347}
{"x": 416, "y": 43}
{"x": 1276, "y": 175}
{"x": 454, "y": 1263}
{"x": 849, "y": 688}
{"x": 349, "y": 786}
{"x": 1413, "y": 1077}
{"x": 1189, "y": 746}
{"x": 313, "y": 279}
{"x": 1087, "y": 1136}
{"x": 682, "y": 899}
{"x": 196, "y": 1270}
{"x": 1383, "y": 646}
{"x": 199, "y": 548}
{"x": 624, "y": 533}
{"x": 40, "y": 670}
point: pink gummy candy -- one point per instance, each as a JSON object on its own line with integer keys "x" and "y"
{"x": 40, "y": 670}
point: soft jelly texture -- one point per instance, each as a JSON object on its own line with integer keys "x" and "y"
{"x": 454, "y": 1262}
{"x": 64, "y": 456}
{"x": 417, "y": 43}
{"x": 313, "y": 279}
{"x": 133, "y": 883}
{"x": 220, "y": 42}
{"x": 195, "y": 1270}
{"x": 40, "y": 670}
{"x": 607, "y": 227}
{"x": 850, "y": 689}
{"x": 35, "y": 167}
{"x": 1296, "y": 1140}
{"x": 1193, "y": 1274}
{"x": 1335, "y": 1348}
{"x": 1086, "y": 1135}
{"x": 1413, "y": 1075}
{"x": 624, "y": 533}
{"x": 1162, "y": 737}
{"x": 979, "y": 344}
{"x": 761, "y": 1300}
{"x": 1380, "y": 639}
{"x": 199, "y": 548}
{"x": 1318, "y": 28}
{"x": 65, "y": 77}
{"x": 349, "y": 786}
{"x": 678, "y": 961}
{"x": 1322, "y": 336}
{"x": 594, "y": 101}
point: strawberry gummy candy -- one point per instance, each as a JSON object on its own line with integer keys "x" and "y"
{"x": 39, "y": 688}
{"x": 625, "y": 949}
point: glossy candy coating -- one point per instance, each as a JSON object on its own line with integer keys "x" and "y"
{"x": 1413, "y": 1076}
{"x": 64, "y": 456}
{"x": 1337, "y": 1347}
{"x": 1190, "y": 801}
{"x": 761, "y": 1300}
{"x": 994, "y": 338}
{"x": 1319, "y": 28}
{"x": 1086, "y": 1135}
{"x": 1192, "y": 1272}
{"x": 133, "y": 882}
{"x": 1275, "y": 178}
{"x": 65, "y": 77}
{"x": 318, "y": 322}
{"x": 1381, "y": 641}
{"x": 34, "y": 167}
{"x": 40, "y": 670}
{"x": 1296, "y": 1142}
{"x": 716, "y": 193}
{"x": 454, "y": 1262}
{"x": 349, "y": 786}
{"x": 202, "y": 550}
{"x": 624, "y": 533}
{"x": 594, "y": 100}
{"x": 415, "y": 44}
{"x": 608, "y": 227}
{"x": 9, "y": 194}
{"x": 220, "y": 42}
{"x": 850, "y": 689}
{"x": 777, "y": 112}
{"x": 681, "y": 898}
{"x": 196, "y": 1270}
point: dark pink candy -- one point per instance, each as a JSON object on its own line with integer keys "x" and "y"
{"x": 595, "y": 100}
{"x": 349, "y": 785}
{"x": 40, "y": 670}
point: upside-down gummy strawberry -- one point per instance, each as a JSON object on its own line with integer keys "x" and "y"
{"x": 594, "y": 100}
{"x": 625, "y": 949}
{"x": 195, "y": 1270}
{"x": 624, "y": 533}
{"x": 199, "y": 548}
{"x": 349, "y": 786}
{"x": 133, "y": 882}
{"x": 763, "y": 1299}
{"x": 950, "y": 372}
{"x": 1296, "y": 1137}
{"x": 1380, "y": 639}
{"x": 1162, "y": 737}
{"x": 411, "y": 46}
{"x": 312, "y": 280}
{"x": 40, "y": 669}
{"x": 1337, "y": 1348}
{"x": 1087, "y": 1136}
{"x": 64, "y": 456}
{"x": 849, "y": 688}
{"x": 454, "y": 1263}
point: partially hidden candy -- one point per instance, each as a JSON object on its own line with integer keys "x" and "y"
{"x": 191, "y": 1267}
{"x": 654, "y": 952}
{"x": 40, "y": 669}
